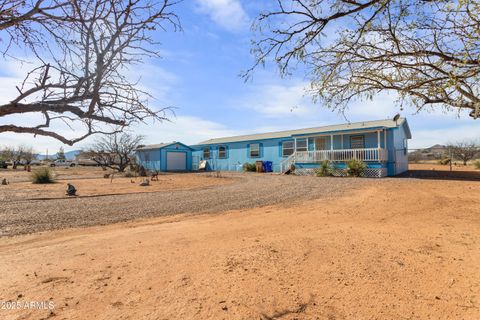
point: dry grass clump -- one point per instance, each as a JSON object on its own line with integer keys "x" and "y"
{"x": 42, "y": 176}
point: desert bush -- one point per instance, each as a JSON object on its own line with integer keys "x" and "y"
{"x": 249, "y": 167}
{"x": 444, "y": 161}
{"x": 42, "y": 176}
{"x": 129, "y": 174}
{"x": 142, "y": 172}
{"x": 325, "y": 169}
{"x": 476, "y": 164}
{"x": 356, "y": 168}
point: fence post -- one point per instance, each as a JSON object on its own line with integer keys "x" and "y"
{"x": 450, "y": 156}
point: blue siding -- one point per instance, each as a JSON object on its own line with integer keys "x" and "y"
{"x": 156, "y": 159}
{"x": 238, "y": 153}
{"x": 271, "y": 150}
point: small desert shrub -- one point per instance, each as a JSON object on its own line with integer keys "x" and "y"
{"x": 42, "y": 175}
{"x": 356, "y": 168}
{"x": 249, "y": 167}
{"x": 325, "y": 169}
{"x": 215, "y": 174}
{"x": 444, "y": 161}
{"x": 142, "y": 172}
{"x": 476, "y": 164}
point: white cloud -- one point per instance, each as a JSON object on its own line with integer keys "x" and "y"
{"x": 229, "y": 14}
{"x": 275, "y": 100}
{"x": 185, "y": 129}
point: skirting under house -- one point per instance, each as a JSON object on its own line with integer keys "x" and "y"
{"x": 382, "y": 145}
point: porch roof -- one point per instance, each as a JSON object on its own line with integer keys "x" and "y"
{"x": 364, "y": 125}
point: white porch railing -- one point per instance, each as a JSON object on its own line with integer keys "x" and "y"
{"x": 367, "y": 154}
{"x": 287, "y": 163}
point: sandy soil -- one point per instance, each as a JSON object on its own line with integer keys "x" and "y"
{"x": 60, "y": 173}
{"x": 395, "y": 249}
{"x": 242, "y": 191}
{"x": 439, "y": 167}
{"x": 101, "y": 186}
{"x": 436, "y": 171}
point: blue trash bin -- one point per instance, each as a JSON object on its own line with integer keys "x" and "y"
{"x": 267, "y": 166}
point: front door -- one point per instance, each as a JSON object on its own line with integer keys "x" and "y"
{"x": 320, "y": 144}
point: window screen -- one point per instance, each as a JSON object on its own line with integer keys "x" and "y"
{"x": 287, "y": 148}
{"x": 302, "y": 145}
{"x": 222, "y": 152}
{"x": 357, "y": 142}
{"x": 206, "y": 153}
{"x": 255, "y": 150}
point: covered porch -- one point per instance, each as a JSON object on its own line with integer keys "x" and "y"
{"x": 367, "y": 145}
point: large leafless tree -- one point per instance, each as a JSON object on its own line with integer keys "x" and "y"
{"x": 465, "y": 150}
{"x": 83, "y": 50}
{"x": 115, "y": 151}
{"x": 428, "y": 52}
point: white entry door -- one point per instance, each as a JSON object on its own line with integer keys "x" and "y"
{"x": 176, "y": 161}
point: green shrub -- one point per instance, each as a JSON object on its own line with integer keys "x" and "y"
{"x": 476, "y": 164}
{"x": 356, "y": 168}
{"x": 325, "y": 169}
{"x": 249, "y": 167}
{"x": 42, "y": 175}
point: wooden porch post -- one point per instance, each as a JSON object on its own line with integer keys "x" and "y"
{"x": 295, "y": 143}
{"x": 378, "y": 140}
{"x": 331, "y": 142}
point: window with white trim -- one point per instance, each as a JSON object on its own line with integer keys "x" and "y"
{"x": 287, "y": 148}
{"x": 206, "y": 153}
{"x": 222, "y": 152}
{"x": 254, "y": 150}
{"x": 357, "y": 142}
{"x": 302, "y": 145}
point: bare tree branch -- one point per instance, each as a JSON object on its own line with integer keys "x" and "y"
{"x": 114, "y": 151}
{"x": 84, "y": 49}
{"x": 426, "y": 51}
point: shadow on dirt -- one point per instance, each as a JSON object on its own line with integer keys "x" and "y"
{"x": 442, "y": 175}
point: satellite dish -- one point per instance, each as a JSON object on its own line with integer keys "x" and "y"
{"x": 397, "y": 116}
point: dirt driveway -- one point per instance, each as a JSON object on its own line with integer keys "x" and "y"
{"x": 391, "y": 249}
{"x": 204, "y": 194}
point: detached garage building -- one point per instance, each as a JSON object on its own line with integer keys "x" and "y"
{"x": 173, "y": 156}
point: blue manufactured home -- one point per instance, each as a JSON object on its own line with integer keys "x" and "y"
{"x": 381, "y": 144}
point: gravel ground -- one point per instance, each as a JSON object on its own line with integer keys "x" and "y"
{"x": 248, "y": 191}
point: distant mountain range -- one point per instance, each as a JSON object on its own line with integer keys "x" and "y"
{"x": 435, "y": 152}
{"x": 70, "y": 155}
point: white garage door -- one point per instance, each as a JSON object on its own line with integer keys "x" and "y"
{"x": 176, "y": 161}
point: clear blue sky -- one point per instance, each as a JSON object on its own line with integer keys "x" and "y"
{"x": 199, "y": 76}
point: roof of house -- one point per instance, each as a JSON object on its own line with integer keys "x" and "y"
{"x": 389, "y": 123}
{"x": 160, "y": 145}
